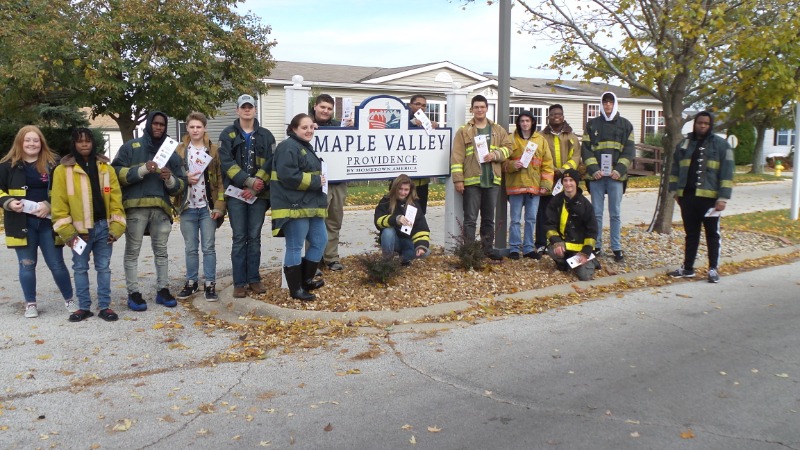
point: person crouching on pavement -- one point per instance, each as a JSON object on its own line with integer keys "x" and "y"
{"x": 87, "y": 209}
{"x": 390, "y": 218}
{"x": 299, "y": 206}
{"x": 572, "y": 228}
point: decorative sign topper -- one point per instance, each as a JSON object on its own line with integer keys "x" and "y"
{"x": 383, "y": 145}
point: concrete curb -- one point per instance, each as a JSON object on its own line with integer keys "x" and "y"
{"x": 233, "y": 310}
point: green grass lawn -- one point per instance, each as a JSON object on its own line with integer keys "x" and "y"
{"x": 776, "y": 223}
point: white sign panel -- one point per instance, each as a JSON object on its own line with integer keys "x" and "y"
{"x": 381, "y": 145}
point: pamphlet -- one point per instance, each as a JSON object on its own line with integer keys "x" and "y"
{"x": 712, "y": 212}
{"x": 347, "y": 112}
{"x": 423, "y": 119}
{"x": 235, "y": 192}
{"x": 165, "y": 152}
{"x": 30, "y": 207}
{"x": 605, "y": 164}
{"x": 558, "y": 187}
{"x": 199, "y": 162}
{"x": 481, "y": 147}
{"x": 324, "y": 173}
{"x": 79, "y": 245}
{"x": 411, "y": 214}
{"x": 573, "y": 261}
{"x": 527, "y": 155}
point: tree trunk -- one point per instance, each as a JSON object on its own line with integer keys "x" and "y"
{"x": 126, "y": 126}
{"x": 758, "y": 153}
{"x": 662, "y": 221}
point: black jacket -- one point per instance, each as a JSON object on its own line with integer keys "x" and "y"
{"x": 580, "y": 230}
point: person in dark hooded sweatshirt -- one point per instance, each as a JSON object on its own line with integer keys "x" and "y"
{"x": 145, "y": 196}
{"x": 608, "y": 150}
{"x": 701, "y": 180}
{"x": 87, "y": 206}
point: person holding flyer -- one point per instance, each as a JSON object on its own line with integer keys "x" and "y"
{"x": 571, "y": 229}
{"x": 702, "y": 182}
{"x": 479, "y": 149}
{"x": 529, "y": 174}
{"x": 401, "y": 222}
{"x": 146, "y": 189}
{"x": 245, "y": 153}
{"x": 299, "y": 207}
{"x": 24, "y": 185}
{"x": 88, "y": 215}
{"x": 608, "y": 149}
{"x": 201, "y": 206}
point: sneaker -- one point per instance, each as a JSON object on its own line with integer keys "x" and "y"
{"x": 136, "y": 302}
{"x": 513, "y": 255}
{"x": 618, "y": 256}
{"x": 79, "y": 315}
{"x": 598, "y": 252}
{"x": 542, "y": 249}
{"x": 211, "y": 291}
{"x": 108, "y": 315}
{"x": 188, "y": 289}
{"x": 405, "y": 262}
{"x": 713, "y": 275}
{"x": 681, "y": 273}
{"x": 335, "y": 266}
{"x": 31, "y": 311}
{"x": 493, "y": 254}
{"x": 163, "y": 297}
{"x": 71, "y": 305}
{"x": 533, "y": 255}
{"x": 239, "y": 292}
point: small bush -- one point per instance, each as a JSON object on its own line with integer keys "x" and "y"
{"x": 468, "y": 251}
{"x": 379, "y": 268}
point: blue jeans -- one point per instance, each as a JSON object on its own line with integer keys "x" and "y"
{"x": 297, "y": 232}
{"x": 246, "y": 223}
{"x": 40, "y": 236}
{"x": 194, "y": 222}
{"x": 393, "y": 241}
{"x": 99, "y": 246}
{"x": 159, "y": 223}
{"x": 613, "y": 188}
{"x": 531, "y": 205}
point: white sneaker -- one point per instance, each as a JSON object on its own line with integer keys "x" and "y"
{"x": 72, "y": 306}
{"x": 31, "y": 311}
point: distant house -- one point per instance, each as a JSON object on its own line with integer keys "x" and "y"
{"x": 581, "y": 100}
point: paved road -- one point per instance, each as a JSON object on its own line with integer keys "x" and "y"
{"x": 635, "y": 372}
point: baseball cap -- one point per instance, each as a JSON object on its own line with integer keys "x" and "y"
{"x": 245, "y": 99}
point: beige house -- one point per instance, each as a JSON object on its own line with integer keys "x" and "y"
{"x": 581, "y": 100}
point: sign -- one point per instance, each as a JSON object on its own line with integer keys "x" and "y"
{"x": 382, "y": 145}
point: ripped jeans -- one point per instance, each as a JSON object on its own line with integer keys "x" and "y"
{"x": 40, "y": 236}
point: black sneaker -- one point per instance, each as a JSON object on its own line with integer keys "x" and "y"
{"x": 163, "y": 297}
{"x": 513, "y": 255}
{"x": 533, "y": 255}
{"x": 136, "y": 302}
{"x": 494, "y": 255}
{"x": 211, "y": 291}
{"x": 188, "y": 289}
{"x": 618, "y": 256}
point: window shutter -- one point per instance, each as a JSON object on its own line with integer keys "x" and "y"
{"x": 644, "y": 125}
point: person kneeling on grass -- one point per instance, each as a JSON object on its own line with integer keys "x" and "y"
{"x": 571, "y": 228}
{"x": 390, "y": 218}
{"x": 87, "y": 209}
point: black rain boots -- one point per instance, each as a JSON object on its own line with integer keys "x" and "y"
{"x": 309, "y": 272}
{"x": 294, "y": 278}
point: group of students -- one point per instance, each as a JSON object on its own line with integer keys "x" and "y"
{"x": 86, "y": 202}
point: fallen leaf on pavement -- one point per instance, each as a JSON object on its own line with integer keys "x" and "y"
{"x": 413, "y": 440}
{"x": 123, "y": 425}
{"x": 688, "y": 434}
{"x": 434, "y": 429}
{"x": 328, "y": 427}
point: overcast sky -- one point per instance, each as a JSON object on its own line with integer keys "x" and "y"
{"x": 393, "y": 34}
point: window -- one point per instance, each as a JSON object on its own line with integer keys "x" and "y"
{"x": 436, "y": 112}
{"x": 180, "y": 130}
{"x": 784, "y": 137}
{"x": 537, "y": 111}
{"x": 653, "y": 123}
{"x": 592, "y": 111}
